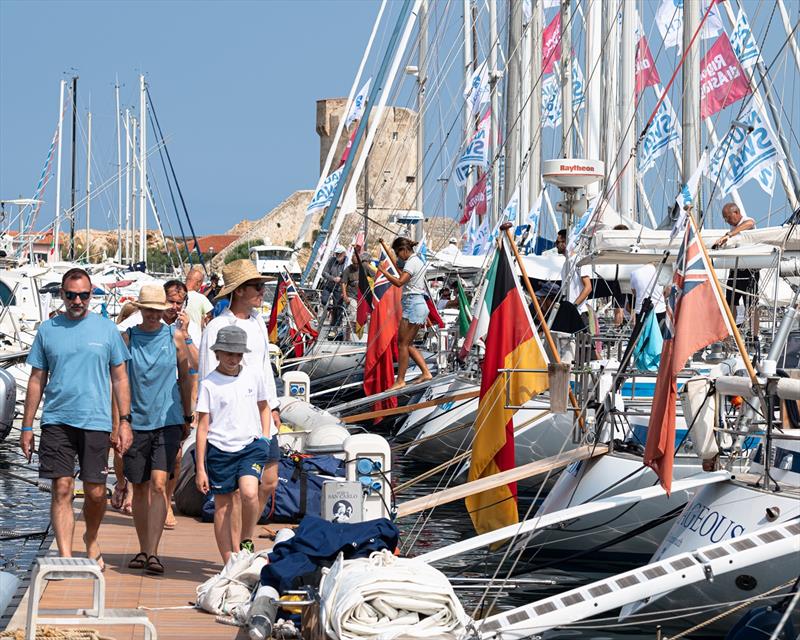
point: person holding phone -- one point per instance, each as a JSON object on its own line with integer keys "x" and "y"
{"x": 77, "y": 361}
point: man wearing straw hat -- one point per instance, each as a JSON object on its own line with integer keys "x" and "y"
{"x": 78, "y": 358}
{"x": 161, "y": 403}
{"x": 244, "y": 286}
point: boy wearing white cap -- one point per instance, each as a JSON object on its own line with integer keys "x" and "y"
{"x": 234, "y": 447}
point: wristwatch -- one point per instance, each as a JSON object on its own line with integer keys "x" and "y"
{"x": 188, "y": 419}
{"x": 126, "y": 418}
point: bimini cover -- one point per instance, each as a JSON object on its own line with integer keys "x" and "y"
{"x": 386, "y": 597}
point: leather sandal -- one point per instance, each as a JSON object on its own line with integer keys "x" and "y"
{"x": 138, "y": 561}
{"x": 154, "y": 566}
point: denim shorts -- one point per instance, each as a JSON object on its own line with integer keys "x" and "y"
{"x": 224, "y": 468}
{"x": 415, "y": 310}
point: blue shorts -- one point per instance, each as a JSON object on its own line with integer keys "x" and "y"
{"x": 224, "y": 468}
{"x": 415, "y": 309}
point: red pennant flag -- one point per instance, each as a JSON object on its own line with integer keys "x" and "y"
{"x": 646, "y": 72}
{"x": 346, "y": 152}
{"x": 695, "y": 319}
{"x": 476, "y": 200}
{"x": 722, "y": 79}
{"x": 551, "y": 44}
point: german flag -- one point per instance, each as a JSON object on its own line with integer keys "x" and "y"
{"x": 278, "y": 303}
{"x": 511, "y": 343}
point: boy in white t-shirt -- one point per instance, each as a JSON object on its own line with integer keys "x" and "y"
{"x": 234, "y": 447}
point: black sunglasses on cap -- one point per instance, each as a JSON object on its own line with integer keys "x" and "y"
{"x": 83, "y": 295}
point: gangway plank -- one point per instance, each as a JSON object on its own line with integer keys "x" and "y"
{"x": 498, "y": 479}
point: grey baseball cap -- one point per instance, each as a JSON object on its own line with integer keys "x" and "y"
{"x": 231, "y": 339}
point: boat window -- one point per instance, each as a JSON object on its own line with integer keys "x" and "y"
{"x": 275, "y": 254}
{"x": 6, "y": 295}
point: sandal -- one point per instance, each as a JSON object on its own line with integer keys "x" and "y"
{"x": 138, "y": 561}
{"x": 154, "y": 566}
{"x": 120, "y": 491}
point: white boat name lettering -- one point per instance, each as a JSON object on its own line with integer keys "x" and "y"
{"x": 710, "y": 524}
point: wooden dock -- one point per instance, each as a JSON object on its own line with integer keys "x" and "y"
{"x": 190, "y": 556}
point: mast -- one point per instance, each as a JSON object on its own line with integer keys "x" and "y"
{"x": 566, "y": 79}
{"x": 468, "y": 61}
{"x": 512, "y": 85}
{"x": 142, "y": 171}
{"x": 88, "y": 184}
{"x": 134, "y": 191}
{"x": 690, "y": 118}
{"x": 422, "y": 78}
{"x": 128, "y": 185}
{"x": 382, "y": 84}
{"x": 117, "y": 117}
{"x": 72, "y": 196}
{"x": 594, "y": 76}
{"x": 308, "y": 219}
{"x": 789, "y": 33}
{"x": 627, "y": 195}
{"x": 57, "y": 218}
{"x": 493, "y": 120}
{"x": 535, "y": 124}
{"x": 609, "y": 117}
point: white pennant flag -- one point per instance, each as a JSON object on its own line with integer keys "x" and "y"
{"x": 534, "y": 214}
{"x": 358, "y": 106}
{"x": 322, "y": 198}
{"x": 551, "y": 102}
{"x": 578, "y": 86}
{"x": 743, "y": 43}
{"x": 478, "y": 239}
{"x": 476, "y": 153}
{"x": 669, "y": 18}
{"x": 478, "y": 91}
{"x": 664, "y": 132}
{"x": 750, "y": 153}
{"x": 687, "y": 194}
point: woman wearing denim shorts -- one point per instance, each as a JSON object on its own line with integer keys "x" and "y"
{"x": 415, "y": 309}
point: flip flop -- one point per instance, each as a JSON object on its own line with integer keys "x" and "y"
{"x": 138, "y": 561}
{"x": 118, "y": 497}
{"x": 154, "y": 566}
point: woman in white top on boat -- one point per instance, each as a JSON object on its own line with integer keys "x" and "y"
{"x": 415, "y": 309}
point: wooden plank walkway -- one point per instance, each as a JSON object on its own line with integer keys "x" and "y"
{"x": 190, "y": 556}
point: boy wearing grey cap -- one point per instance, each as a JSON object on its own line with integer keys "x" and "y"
{"x": 234, "y": 447}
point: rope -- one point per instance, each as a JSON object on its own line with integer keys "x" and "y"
{"x": 51, "y": 633}
{"x": 724, "y": 614}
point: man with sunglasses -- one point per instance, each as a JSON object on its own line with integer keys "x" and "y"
{"x": 244, "y": 286}
{"x": 77, "y": 359}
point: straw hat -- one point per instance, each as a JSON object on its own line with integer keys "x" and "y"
{"x": 236, "y": 274}
{"x": 152, "y": 296}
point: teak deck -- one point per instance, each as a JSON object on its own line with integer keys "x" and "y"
{"x": 190, "y": 556}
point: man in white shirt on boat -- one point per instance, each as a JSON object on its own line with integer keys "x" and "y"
{"x": 644, "y": 284}
{"x": 742, "y": 283}
{"x": 576, "y": 281}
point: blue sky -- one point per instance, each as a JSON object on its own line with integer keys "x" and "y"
{"x": 234, "y": 85}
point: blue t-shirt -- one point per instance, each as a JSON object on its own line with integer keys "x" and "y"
{"x": 155, "y": 396}
{"x": 77, "y": 355}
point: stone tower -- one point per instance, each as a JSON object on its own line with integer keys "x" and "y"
{"x": 390, "y": 176}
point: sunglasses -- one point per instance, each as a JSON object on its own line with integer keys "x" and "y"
{"x": 83, "y": 295}
{"x": 258, "y": 286}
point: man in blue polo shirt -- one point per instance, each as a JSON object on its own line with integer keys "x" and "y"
{"x": 76, "y": 360}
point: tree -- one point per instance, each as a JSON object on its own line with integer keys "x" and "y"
{"x": 242, "y": 250}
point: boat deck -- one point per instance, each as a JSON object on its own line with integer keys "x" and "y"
{"x": 190, "y": 556}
